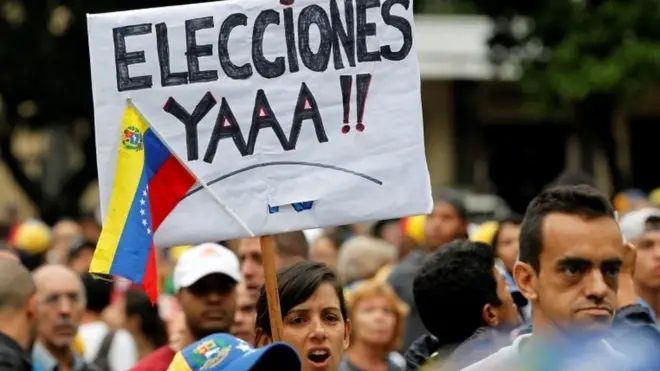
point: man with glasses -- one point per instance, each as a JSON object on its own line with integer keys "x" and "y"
{"x": 60, "y": 307}
{"x": 205, "y": 279}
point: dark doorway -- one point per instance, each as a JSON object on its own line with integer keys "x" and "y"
{"x": 644, "y": 137}
{"x": 524, "y": 158}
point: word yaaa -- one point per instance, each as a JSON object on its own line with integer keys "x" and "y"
{"x": 263, "y": 117}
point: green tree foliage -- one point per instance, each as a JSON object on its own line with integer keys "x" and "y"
{"x": 593, "y": 56}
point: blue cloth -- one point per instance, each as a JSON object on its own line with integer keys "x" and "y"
{"x": 42, "y": 360}
{"x": 646, "y": 305}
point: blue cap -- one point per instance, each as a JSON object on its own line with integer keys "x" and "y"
{"x": 223, "y": 352}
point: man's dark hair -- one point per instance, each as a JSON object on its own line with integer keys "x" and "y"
{"x": 292, "y": 244}
{"x": 16, "y": 285}
{"x": 514, "y": 219}
{"x": 453, "y": 198}
{"x": 452, "y": 287}
{"x": 296, "y": 284}
{"x": 98, "y": 291}
{"x": 582, "y": 200}
{"x": 573, "y": 178}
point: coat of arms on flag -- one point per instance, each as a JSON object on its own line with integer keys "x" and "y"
{"x": 132, "y": 138}
{"x": 211, "y": 353}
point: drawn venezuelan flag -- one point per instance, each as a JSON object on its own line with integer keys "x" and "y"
{"x": 149, "y": 182}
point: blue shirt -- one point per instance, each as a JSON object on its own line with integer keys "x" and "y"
{"x": 43, "y": 361}
{"x": 646, "y": 305}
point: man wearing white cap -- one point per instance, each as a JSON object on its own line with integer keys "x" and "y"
{"x": 642, "y": 229}
{"x": 205, "y": 279}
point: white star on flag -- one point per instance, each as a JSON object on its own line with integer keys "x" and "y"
{"x": 143, "y": 212}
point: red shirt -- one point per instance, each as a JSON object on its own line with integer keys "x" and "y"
{"x": 158, "y": 360}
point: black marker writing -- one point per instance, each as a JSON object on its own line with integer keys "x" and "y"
{"x": 190, "y": 121}
{"x": 227, "y": 126}
{"x": 195, "y": 51}
{"x": 123, "y": 58}
{"x": 348, "y": 36}
{"x": 167, "y": 78}
{"x": 363, "y": 82}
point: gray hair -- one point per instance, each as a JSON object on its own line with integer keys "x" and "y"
{"x": 361, "y": 257}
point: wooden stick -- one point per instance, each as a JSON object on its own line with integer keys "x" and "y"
{"x": 272, "y": 293}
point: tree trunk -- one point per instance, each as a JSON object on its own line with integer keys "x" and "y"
{"x": 595, "y": 118}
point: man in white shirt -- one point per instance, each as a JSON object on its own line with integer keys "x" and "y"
{"x": 120, "y": 350}
{"x": 571, "y": 256}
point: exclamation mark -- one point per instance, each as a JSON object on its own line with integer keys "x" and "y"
{"x": 346, "y": 82}
{"x": 363, "y": 83}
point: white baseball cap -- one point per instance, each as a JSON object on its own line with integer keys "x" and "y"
{"x": 202, "y": 260}
{"x": 633, "y": 224}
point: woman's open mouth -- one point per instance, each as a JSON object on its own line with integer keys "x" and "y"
{"x": 319, "y": 357}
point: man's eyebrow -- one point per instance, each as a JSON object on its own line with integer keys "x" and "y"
{"x": 613, "y": 261}
{"x": 569, "y": 260}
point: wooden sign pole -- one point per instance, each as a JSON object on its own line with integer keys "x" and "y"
{"x": 272, "y": 293}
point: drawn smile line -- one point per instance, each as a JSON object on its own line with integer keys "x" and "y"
{"x": 278, "y": 163}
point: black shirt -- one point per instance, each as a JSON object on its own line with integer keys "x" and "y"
{"x": 12, "y": 356}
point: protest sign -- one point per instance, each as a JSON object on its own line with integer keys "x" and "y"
{"x": 297, "y": 114}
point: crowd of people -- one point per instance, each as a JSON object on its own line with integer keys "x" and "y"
{"x": 573, "y": 284}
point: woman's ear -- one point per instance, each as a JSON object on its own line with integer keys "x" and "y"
{"x": 347, "y": 333}
{"x": 261, "y": 339}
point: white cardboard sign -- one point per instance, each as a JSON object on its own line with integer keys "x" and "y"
{"x": 297, "y": 116}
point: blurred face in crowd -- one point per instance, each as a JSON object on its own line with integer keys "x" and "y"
{"x": 576, "y": 286}
{"x": 507, "y": 313}
{"x": 252, "y": 268}
{"x": 444, "y": 225}
{"x": 65, "y": 233}
{"x": 60, "y": 305}
{"x": 82, "y": 259}
{"x": 391, "y": 233}
{"x": 246, "y": 315}
{"x": 507, "y": 244}
{"x": 324, "y": 251}
{"x": 209, "y": 304}
{"x": 317, "y": 330}
{"x": 91, "y": 230}
{"x": 374, "y": 321}
{"x": 647, "y": 265}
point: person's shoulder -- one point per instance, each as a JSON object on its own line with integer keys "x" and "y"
{"x": 158, "y": 359}
{"x": 502, "y": 360}
{"x": 408, "y": 265}
{"x": 123, "y": 337}
{"x": 12, "y": 360}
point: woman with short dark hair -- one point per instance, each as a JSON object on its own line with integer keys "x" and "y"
{"x": 314, "y": 315}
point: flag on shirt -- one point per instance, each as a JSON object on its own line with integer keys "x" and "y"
{"x": 149, "y": 182}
